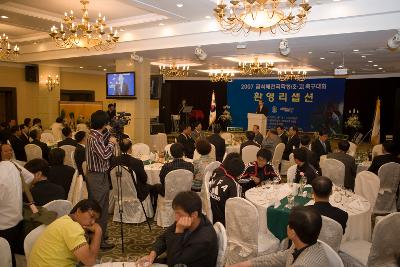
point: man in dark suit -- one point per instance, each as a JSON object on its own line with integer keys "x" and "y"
{"x": 17, "y": 143}
{"x": 24, "y": 133}
{"x": 322, "y": 189}
{"x": 218, "y": 142}
{"x": 67, "y": 132}
{"x": 59, "y": 173}
{"x": 250, "y": 141}
{"x": 35, "y": 135}
{"x": 348, "y": 161}
{"x": 293, "y": 141}
{"x": 186, "y": 140}
{"x": 261, "y": 109}
{"x": 43, "y": 191}
{"x": 80, "y": 150}
{"x": 282, "y": 134}
{"x": 303, "y": 167}
{"x": 305, "y": 141}
{"x": 111, "y": 112}
{"x": 177, "y": 163}
{"x": 258, "y": 136}
{"x": 321, "y": 146}
{"x": 389, "y": 155}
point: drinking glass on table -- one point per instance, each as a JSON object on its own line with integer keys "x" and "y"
{"x": 290, "y": 203}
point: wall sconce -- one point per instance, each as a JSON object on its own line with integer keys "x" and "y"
{"x": 52, "y": 83}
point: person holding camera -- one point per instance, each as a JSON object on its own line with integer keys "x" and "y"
{"x": 100, "y": 148}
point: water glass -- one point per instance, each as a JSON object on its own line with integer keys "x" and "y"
{"x": 337, "y": 197}
{"x": 290, "y": 204}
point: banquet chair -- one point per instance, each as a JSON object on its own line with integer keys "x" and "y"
{"x": 133, "y": 212}
{"x": 334, "y": 170}
{"x": 72, "y": 187}
{"x": 68, "y": 151}
{"x": 322, "y": 158}
{"x": 277, "y": 157}
{"x": 291, "y": 173}
{"x": 140, "y": 150}
{"x": 286, "y": 164}
{"x": 222, "y": 244}
{"x": 389, "y": 176}
{"x": 30, "y": 239}
{"x": 5, "y": 253}
{"x": 196, "y": 154}
{"x": 162, "y": 141}
{"x": 384, "y": 249}
{"x": 377, "y": 150}
{"x": 176, "y": 181}
{"x": 352, "y": 150}
{"x": 167, "y": 149}
{"x": 228, "y": 137}
{"x": 249, "y": 153}
{"x": 82, "y": 127}
{"x": 78, "y": 190}
{"x": 33, "y": 151}
{"x": 47, "y": 138}
{"x": 331, "y": 233}
{"x": 73, "y": 160}
{"x": 61, "y": 206}
{"x": 205, "y": 193}
{"x": 84, "y": 167}
{"x": 332, "y": 255}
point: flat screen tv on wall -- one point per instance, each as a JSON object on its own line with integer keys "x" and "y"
{"x": 120, "y": 85}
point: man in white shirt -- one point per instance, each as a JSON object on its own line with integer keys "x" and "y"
{"x": 11, "y": 206}
{"x": 6, "y": 154}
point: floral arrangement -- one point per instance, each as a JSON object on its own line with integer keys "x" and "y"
{"x": 353, "y": 122}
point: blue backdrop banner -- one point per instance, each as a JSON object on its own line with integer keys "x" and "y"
{"x": 310, "y": 105}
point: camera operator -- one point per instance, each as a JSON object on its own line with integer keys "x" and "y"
{"x": 100, "y": 148}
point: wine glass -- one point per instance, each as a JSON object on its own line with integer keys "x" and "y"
{"x": 290, "y": 203}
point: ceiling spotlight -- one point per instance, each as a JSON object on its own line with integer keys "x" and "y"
{"x": 81, "y": 67}
{"x": 179, "y": 5}
{"x": 380, "y": 68}
{"x": 322, "y": 58}
{"x": 363, "y": 56}
{"x": 200, "y": 53}
{"x": 370, "y": 61}
{"x": 310, "y": 52}
{"x": 284, "y": 47}
{"x": 136, "y": 57}
{"x": 99, "y": 66}
{"x": 356, "y": 50}
{"x": 375, "y": 65}
{"x": 105, "y": 69}
{"x": 4, "y": 17}
{"x": 208, "y": 17}
{"x": 161, "y": 24}
{"x": 394, "y": 42}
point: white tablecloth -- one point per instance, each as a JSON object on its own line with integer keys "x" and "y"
{"x": 363, "y": 166}
{"x": 232, "y": 148}
{"x": 153, "y": 171}
{"x": 126, "y": 264}
{"x": 357, "y": 224}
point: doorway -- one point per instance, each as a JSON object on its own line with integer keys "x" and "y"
{"x": 8, "y": 103}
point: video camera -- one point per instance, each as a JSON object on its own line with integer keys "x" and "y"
{"x": 118, "y": 122}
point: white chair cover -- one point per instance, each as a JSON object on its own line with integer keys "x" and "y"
{"x": 322, "y": 158}
{"x": 286, "y": 164}
{"x": 277, "y": 157}
{"x": 140, "y": 150}
{"x": 352, "y": 150}
{"x": 222, "y": 244}
{"x": 228, "y": 137}
{"x": 61, "y": 206}
{"x": 333, "y": 258}
{"x": 377, "y": 150}
{"x": 160, "y": 141}
{"x": 249, "y": 153}
{"x": 47, "y": 138}
{"x": 334, "y": 170}
{"x": 82, "y": 127}
{"x": 212, "y": 154}
{"x": 291, "y": 173}
{"x": 5, "y": 253}
{"x": 384, "y": 249}
{"x": 176, "y": 181}
{"x": 78, "y": 190}
{"x": 68, "y": 151}
{"x": 205, "y": 193}
{"x": 84, "y": 167}
{"x": 30, "y": 239}
{"x": 389, "y": 175}
{"x": 331, "y": 233}
{"x": 56, "y": 130}
{"x": 33, "y": 151}
{"x": 167, "y": 149}
{"x": 71, "y": 192}
{"x": 132, "y": 209}
{"x": 241, "y": 229}
{"x": 73, "y": 160}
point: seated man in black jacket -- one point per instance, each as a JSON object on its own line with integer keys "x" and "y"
{"x": 312, "y": 158}
{"x": 191, "y": 240}
{"x": 389, "y": 155}
{"x": 80, "y": 150}
{"x": 187, "y": 141}
{"x": 303, "y": 167}
{"x": 35, "y": 135}
{"x": 67, "y": 132}
{"x": 218, "y": 142}
{"x": 322, "y": 189}
{"x": 17, "y": 143}
{"x": 136, "y": 165}
{"x": 59, "y": 173}
{"x": 250, "y": 135}
{"x": 293, "y": 142}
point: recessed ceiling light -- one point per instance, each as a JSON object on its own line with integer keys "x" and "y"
{"x": 121, "y": 30}
{"x": 179, "y": 5}
{"x": 356, "y": 50}
{"x": 321, "y": 58}
{"x": 375, "y": 65}
{"x": 370, "y": 61}
{"x": 100, "y": 66}
{"x": 81, "y": 67}
{"x": 161, "y": 24}
{"x": 336, "y": 0}
{"x": 105, "y": 69}
{"x": 4, "y": 17}
{"x": 208, "y": 17}
{"x": 380, "y": 68}
{"x": 310, "y": 52}
{"x": 363, "y": 56}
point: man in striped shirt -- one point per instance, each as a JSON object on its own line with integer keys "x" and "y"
{"x": 100, "y": 148}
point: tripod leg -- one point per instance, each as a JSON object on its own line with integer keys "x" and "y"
{"x": 145, "y": 214}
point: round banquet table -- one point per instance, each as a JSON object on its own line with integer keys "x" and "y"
{"x": 126, "y": 264}
{"x": 153, "y": 171}
{"x": 358, "y": 224}
{"x": 232, "y": 148}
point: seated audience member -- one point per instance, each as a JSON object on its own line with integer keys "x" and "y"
{"x": 223, "y": 185}
{"x": 303, "y": 167}
{"x": 258, "y": 137}
{"x": 24, "y": 133}
{"x": 292, "y": 143}
{"x": 28, "y": 122}
{"x": 80, "y": 150}
{"x": 218, "y": 142}
{"x": 4, "y": 133}
{"x": 11, "y": 223}
{"x": 321, "y": 146}
{"x": 203, "y": 147}
{"x": 348, "y": 161}
{"x": 197, "y": 133}
{"x": 389, "y": 155}
{"x": 6, "y": 153}
{"x": 43, "y": 191}
{"x": 177, "y": 163}
{"x": 136, "y": 165}
{"x": 271, "y": 141}
{"x": 59, "y": 173}
{"x": 305, "y": 141}
{"x": 56, "y": 128}
{"x": 303, "y": 230}
{"x": 322, "y": 190}
{"x": 191, "y": 240}
{"x": 64, "y": 242}
{"x": 250, "y": 141}
{"x": 282, "y": 134}
{"x": 36, "y": 125}
{"x": 17, "y": 143}
{"x": 257, "y": 171}
{"x": 67, "y": 133}
{"x": 186, "y": 140}
{"x": 35, "y": 136}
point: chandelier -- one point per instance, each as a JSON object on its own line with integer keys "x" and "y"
{"x": 255, "y": 67}
{"x": 221, "y": 76}
{"x": 174, "y": 70}
{"x": 83, "y": 33}
{"x": 300, "y": 76}
{"x": 52, "y": 83}
{"x": 6, "y": 51}
{"x": 262, "y": 15}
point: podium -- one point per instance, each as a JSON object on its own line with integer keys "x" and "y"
{"x": 257, "y": 119}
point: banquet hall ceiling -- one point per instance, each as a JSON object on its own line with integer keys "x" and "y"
{"x": 159, "y": 30}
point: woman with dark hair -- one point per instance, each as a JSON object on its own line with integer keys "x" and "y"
{"x": 59, "y": 173}
{"x": 203, "y": 147}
